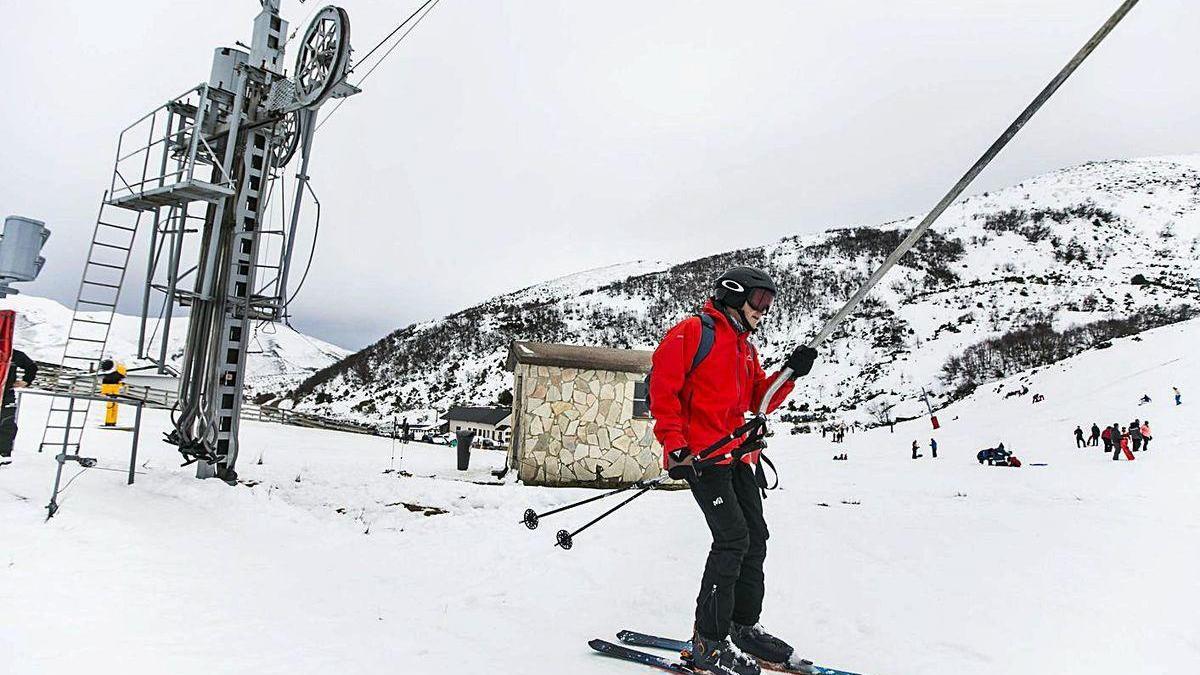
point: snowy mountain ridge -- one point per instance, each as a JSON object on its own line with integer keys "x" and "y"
{"x": 279, "y": 357}
{"x": 1102, "y": 240}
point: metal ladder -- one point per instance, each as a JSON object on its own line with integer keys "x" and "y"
{"x": 95, "y": 305}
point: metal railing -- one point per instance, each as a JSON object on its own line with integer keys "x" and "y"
{"x": 175, "y": 140}
{"x": 83, "y": 383}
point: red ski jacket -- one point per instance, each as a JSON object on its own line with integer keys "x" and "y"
{"x": 695, "y": 410}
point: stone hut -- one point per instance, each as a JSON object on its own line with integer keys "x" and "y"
{"x": 580, "y": 416}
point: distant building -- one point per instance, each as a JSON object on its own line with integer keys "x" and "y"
{"x": 487, "y": 422}
{"x": 580, "y": 415}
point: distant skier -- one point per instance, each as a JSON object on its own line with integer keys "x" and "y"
{"x": 1144, "y": 400}
{"x": 933, "y": 447}
{"x": 1178, "y": 396}
{"x": 692, "y": 409}
{"x": 1135, "y": 434}
{"x": 1095, "y": 437}
{"x": 1079, "y": 443}
{"x": 915, "y": 455}
{"x": 1107, "y": 437}
{"x": 1145, "y": 435}
{"x": 8, "y": 412}
{"x": 1115, "y": 438}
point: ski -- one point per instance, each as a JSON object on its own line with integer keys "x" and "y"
{"x": 630, "y": 637}
{"x": 645, "y": 658}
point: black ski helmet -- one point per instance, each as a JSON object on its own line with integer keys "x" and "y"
{"x": 734, "y": 287}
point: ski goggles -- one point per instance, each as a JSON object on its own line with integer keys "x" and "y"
{"x": 760, "y": 299}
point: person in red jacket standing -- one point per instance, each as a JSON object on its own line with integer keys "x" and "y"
{"x": 696, "y": 399}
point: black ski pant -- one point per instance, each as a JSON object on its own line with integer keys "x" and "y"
{"x": 732, "y": 587}
{"x": 8, "y": 429}
{"x": 1107, "y": 445}
{"x": 1079, "y": 442}
{"x": 1145, "y": 443}
{"x": 1137, "y": 443}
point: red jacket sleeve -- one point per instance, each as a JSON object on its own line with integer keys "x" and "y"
{"x": 669, "y": 368}
{"x": 762, "y": 382}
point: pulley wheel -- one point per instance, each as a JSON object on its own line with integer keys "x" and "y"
{"x": 324, "y": 56}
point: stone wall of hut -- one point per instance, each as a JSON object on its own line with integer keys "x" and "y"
{"x": 576, "y": 427}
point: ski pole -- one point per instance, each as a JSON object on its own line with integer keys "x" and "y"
{"x": 566, "y": 540}
{"x": 979, "y": 165}
{"x": 531, "y": 517}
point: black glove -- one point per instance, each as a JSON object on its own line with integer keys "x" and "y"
{"x": 801, "y": 361}
{"x": 681, "y": 465}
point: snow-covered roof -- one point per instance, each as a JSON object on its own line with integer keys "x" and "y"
{"x": 578, "y": 356}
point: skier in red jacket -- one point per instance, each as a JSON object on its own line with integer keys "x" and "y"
{"x": 696, "y": 399}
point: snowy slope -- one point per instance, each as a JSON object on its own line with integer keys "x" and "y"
{"x": 1063, "y": 247}
{"x": 279, "y": 356}
{"x": 878, "y": 564}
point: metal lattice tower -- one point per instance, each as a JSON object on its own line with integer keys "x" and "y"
{"x": 202, "y": 169}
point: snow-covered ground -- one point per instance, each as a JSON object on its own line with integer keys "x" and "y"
{"x": 879, "y": 564}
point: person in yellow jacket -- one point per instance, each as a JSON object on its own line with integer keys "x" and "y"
{"x": 112, "y": 378}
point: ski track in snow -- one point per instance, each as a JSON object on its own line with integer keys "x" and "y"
{"x": 1082, "y": 566}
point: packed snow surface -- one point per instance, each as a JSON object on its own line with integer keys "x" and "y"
{"x": 879, "y": 564}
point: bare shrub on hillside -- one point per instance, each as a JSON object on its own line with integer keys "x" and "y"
{"x": 1038, "y": 343}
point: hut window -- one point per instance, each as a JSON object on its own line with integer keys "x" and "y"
{"x": 641, "y": 406}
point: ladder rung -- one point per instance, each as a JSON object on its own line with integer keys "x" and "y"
{"x": 83, "y": 339}
{"x": 93, "y": 302}
{"x": 99, "y": 283}
{"x": 119, "y": 248}
{"x": 114, "y": 225}
{"x": 101, "y": 323}
{"x": 100, "y": 264}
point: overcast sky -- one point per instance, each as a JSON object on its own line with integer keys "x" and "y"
{"x": 508, "y": 142}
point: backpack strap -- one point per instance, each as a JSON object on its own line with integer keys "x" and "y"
{"x": 708, "y": 335}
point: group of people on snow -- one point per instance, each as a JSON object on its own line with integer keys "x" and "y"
{"x": 1119, "y": 439}
{"x": 837, "y": 430}
{"x": 932, "y": 449}
{"x": 110, "y": 374}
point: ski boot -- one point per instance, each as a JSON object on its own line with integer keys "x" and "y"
{"x": 772, "y": 652}
{"x": 720, "y": 657}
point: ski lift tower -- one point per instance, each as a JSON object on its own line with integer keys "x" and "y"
{"x": 201, "y": 170}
